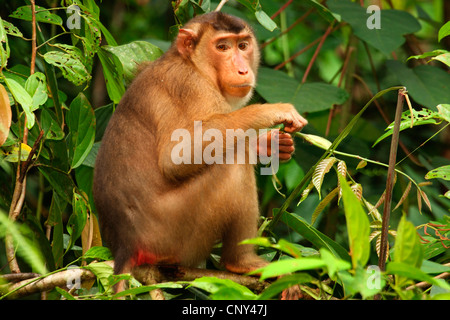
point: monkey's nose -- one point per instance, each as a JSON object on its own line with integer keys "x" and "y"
{"x": 243, "y": 72}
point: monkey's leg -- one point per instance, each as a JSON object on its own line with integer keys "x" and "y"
{"x": 236, "y": 257}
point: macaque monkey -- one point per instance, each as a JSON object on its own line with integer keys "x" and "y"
{"x": 155, "y": 211}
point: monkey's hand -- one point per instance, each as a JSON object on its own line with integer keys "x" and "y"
{"x": 291, "y": 119}
{"x": 284, "y": 144}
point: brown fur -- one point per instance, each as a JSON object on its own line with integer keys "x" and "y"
{"x": 176, "y": 213}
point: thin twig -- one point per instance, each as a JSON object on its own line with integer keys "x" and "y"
{"x": 281, "y": 65}
{"x": 221, "y": 4}
{"x": 281, "y": 9}
{"x": 316, "y": 53}
{"x": 425, "y": 284}
{"x": 296, "y": 22}
{"x": 20, "y": 186}
{"x": 341, "y": 77}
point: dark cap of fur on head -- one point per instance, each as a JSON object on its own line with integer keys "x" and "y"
{"x": 221, "y": 22}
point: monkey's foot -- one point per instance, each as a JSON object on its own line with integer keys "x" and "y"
{"x": 245, "y": 265}
{"x": 292, "y": 293}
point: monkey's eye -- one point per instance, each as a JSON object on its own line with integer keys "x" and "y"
{"x": 222, "y": 47}
{"x": 243, "y": 46}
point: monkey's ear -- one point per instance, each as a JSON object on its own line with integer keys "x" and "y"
{"x": 186, "y": 41}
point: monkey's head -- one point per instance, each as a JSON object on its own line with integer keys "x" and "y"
{"x": 225, "y": 50}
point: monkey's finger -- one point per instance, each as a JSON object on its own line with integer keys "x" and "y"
{"x": 285, "y": 139}
{"x": 286, "y": 149}
{"x": 284, "y": 156}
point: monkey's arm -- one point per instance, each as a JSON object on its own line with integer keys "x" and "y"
{"x": 258, "y": 116}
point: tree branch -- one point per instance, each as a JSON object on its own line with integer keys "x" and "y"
{"x": 145, "y": 274}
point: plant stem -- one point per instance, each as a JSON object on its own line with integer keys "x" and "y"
{"x": 374, "y": 162}
{"x": 390, "y": 181}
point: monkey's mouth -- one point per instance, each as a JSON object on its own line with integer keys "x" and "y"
{"x": 244, "y": 85}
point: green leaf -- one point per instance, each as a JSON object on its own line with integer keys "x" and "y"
{"x": 223, "y": 288}
{"x": 444, "y": 31}
{"x": 98, "y": 253}
{"x": 36, "y": 86}
{"x": 81, "y": 123}
{"x": 420, "y": 118}
{"x": 318, "y": 239}
{"x": 22, "y": 97}
{"x": 265, "y": 20}
{"x": 283, "y": 283}
{"x": 444, "y": 58}
{"x": 4, "y": 47}
{"x": 276, "y": 86}
{"x": 50, "y": 125}
{"x": 113, "y": 72}
{"x": 25, "y": 248}
{"x": 54, "y": 220}
{"x": 427, "y": 85}
{"x": 365, "y": 282}
{"x": 71, "y": 66}
{"x": 132, "y": 54}
{"x": 410, "y": 272}
{"x": 444, "y": 111}
{"x": 433, "y": 267}
{"x": 11, "y": 29}
{"x": 282, "y": 245}
{"x": 393, "y": 25}
{"x": 333, "y": 264}
{"x": 42, "y": 15}
{"x": 407, "y": 248}
{"x": 59, "y": 181}
{"x": 358, "y": 225}
{"x": 103, "y": 272}
{"x": 146, "y": 289}
{"x": 77, "y": 219}
{"x": 282, "y": 267}
{"x": 433, "y": 53}
{"x": 441, "y": 172}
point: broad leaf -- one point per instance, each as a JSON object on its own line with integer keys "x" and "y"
{"x": 318, "y": 239}
{"x": 276, "y": 86}
{"x": 444, "y": 31}
{"x": 407, "y": 271}
{"x": 393, "y": 25}
{"x": 22, "y": 97}
{"x": 407, "y": 248}
{"x": 42, "y": 15}
{"x": 36, "y": 86}
{"x": 132, "y": 54}
{"x": 441, "y": 172}
{"x": 358, "y": 226}
{"x": 113, "y": 72}
{"x": 427, "y": 85}
{"x": 221, "y": 289}
{"x": 283, "y": 283}
{"x": 4, "y": 47}
{"x": 71, "y": 66}
{"x": 282, "y": 267}
{"x": 25, "y": 248}
{"x": 81, "y": 123}
{"x": 420, "y": 118}
{"x": 77, "y": 219}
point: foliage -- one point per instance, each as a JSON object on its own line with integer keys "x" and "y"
{"x": 61, "y": 81}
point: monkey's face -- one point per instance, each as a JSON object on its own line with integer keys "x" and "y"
{"x": 233, "y": 57}
{"x": 229, "y": 59}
